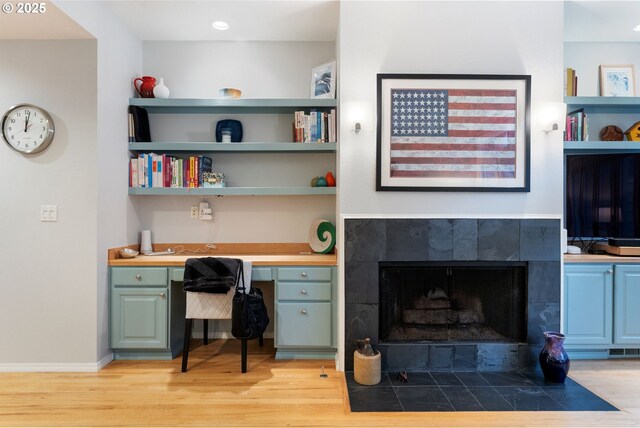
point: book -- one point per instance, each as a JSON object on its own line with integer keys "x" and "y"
{"x": 140, "y": 124}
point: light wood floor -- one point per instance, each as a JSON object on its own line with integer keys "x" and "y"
{"x": 273, "y": 393}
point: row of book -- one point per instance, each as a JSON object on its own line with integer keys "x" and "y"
{"x": 570, "y": 82}
{"x": 577, "y": 126}
{"x": 314, "y": 127}
{"x": 156, "y": 170}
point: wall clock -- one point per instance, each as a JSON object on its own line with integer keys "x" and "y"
{"x": 27, "y": 128}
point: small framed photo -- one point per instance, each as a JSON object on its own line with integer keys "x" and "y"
{"x": 323, "y": 81}
{"x": 617, "y": 81}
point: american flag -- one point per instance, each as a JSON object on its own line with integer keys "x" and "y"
{"x": 458, "y": 133}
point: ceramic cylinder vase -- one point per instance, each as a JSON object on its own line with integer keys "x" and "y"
{"x": 161, "y": 90}
{"x": 554, "y": 361}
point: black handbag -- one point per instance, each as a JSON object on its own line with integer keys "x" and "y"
{"x": 249, "y": 318}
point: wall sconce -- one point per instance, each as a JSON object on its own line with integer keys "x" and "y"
{"x": 357, "y": 113}
{"x": 552, "y": 117}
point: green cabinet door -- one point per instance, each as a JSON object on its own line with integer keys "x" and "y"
{"x": 139, "y": 318}
{"x": 301, "y": 324}
{"x": 588, "y": 304}
{"x": 626, "y": 327}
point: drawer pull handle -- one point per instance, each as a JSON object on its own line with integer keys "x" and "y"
{"x": 138, "y": 277}
{"x": 163, "y": 295}
{"x": 303, "y": 312}
{"x": 303, "y": 274}
{"x": 303, "y": 292}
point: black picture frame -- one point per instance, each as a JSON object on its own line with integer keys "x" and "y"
{"x": 476, "y": 140}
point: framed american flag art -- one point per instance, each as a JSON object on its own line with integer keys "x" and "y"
{"x": 439, "y": 132}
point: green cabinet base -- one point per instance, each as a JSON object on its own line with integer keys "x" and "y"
{"x": 145, "y": 354}
{"x": 304, "y": 354}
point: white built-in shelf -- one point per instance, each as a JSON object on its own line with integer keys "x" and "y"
{"x": 233, "y": 191}
{"x": 230, "y": 105}
{"x": 177, "y": 147}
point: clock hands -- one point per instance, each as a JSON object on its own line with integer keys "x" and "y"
{"x": 26, "y": 120}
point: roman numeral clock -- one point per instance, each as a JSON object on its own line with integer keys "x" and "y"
{"x": 27, "y": 128}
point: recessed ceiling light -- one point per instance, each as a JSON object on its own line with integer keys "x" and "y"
{"x": 220, "y": 25}
{"x": 636, "y": 28}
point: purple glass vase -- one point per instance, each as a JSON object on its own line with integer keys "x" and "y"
{"x": 554, "y": 361}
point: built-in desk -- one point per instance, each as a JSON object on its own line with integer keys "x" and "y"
{"x": 148, "y": 303}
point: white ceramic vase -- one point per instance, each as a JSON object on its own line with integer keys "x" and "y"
{"x": 161, "y": 90}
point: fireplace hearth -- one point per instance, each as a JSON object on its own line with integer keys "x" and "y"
{"x": 438, "y": 318}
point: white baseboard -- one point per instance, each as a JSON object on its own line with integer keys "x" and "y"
{"x": 57, "y": 367}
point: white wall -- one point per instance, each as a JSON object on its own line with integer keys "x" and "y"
{"x": 119, "y": 60}
{"x": 260, "y": 70}
{"x": 448, "y": 38}
{"x": 48, "y": 305}
{"x": 586, "y": 57}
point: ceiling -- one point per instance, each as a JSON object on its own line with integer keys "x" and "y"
{"x": 601, "y": 21}
{"x": 263, "y": 20}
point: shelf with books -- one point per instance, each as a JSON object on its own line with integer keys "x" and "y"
{"x": 186, "y": 147}
{"x": 233, "y": 191}
{"x": 586, "y": 147}
{"x": 595, "y": 113}
{"x": 270, "y": 156}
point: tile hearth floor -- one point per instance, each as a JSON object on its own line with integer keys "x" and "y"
{"x": 471, "y": 391}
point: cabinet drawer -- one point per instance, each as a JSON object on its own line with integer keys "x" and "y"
{"x": 261, "y": 274}
{"x": 303, "y": 324}
{"x": 305, "y": 274}
{"x": 257, "y": 274}
{"x": 138, "y": 276}
{"x": 304, "y": 291}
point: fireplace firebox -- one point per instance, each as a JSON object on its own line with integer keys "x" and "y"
{"x": 452, "y": 302}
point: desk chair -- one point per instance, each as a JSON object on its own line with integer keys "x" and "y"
{"x": 210, "y": 306}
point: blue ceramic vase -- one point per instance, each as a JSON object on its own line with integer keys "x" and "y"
{"x": 554, "y": 361}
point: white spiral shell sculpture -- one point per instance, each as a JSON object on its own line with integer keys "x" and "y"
{"x": 322, "y": 236}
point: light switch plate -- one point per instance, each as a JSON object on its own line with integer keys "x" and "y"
{"x": 48, "y": 213}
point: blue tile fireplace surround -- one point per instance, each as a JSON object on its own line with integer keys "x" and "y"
{"x": 533, "y": 243}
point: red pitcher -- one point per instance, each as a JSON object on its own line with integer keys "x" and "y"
{"x": 145, "y": 88}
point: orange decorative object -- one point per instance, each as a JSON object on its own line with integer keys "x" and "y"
{"x": 331, "y": 180}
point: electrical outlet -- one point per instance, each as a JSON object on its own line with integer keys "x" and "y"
{"x": 194, "y": 212}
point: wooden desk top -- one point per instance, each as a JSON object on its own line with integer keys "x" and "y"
{"x": 287, "y": 254}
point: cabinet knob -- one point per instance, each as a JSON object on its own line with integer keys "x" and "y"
{"x": 303, "y": 292}
{"x": 163, "y": 295}
{"x": 303, "y": 312}
{"x": 303, "y": 274}
{"x": 138, "y": 277}
{"x": 610, "y": 271}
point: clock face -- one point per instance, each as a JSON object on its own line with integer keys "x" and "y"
{"x": 27, "y": 128}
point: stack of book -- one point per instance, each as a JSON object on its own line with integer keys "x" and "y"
{"x": 577, "y": 126}
{"x": 314, "y": 127}
{"x": 154, "y": 170}
{"x": 570, "y": 82}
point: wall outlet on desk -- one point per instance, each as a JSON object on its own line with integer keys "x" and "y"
{"x": 194, "y": 212}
